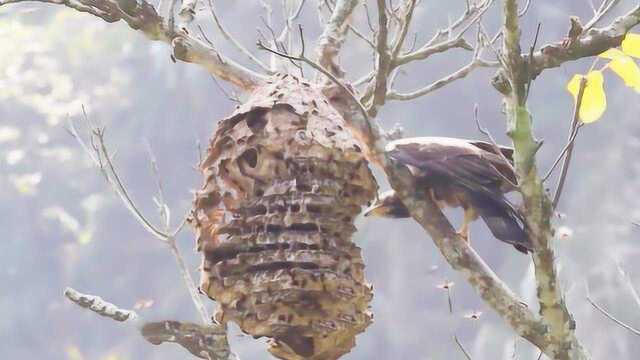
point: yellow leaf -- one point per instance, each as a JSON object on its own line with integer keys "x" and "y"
{"x": 623, "y": 65}
{"x": 594, "y": 100}
{"x": 611, "y": 54}
{"x": 631, "y": 45}
{"x": 628, "y": 70}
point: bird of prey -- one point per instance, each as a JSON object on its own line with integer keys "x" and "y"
{"x": 460, "y": 173}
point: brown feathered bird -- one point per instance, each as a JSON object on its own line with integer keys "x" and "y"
{"x": 460, "y": 173}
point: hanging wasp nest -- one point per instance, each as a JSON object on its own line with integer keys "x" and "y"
{"x": 284, "y": 180}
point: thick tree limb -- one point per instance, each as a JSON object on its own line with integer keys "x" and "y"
{"x": 590, "y": 43}
{"x": 203, "y": 341}
{"x": 332, "y": 38}
{"x": 538, "y": 210}
{"x": 142, "y": 16}
{"x": 384, "y": 59}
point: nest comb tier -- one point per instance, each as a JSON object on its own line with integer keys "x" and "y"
{"x": 284, "y": 181}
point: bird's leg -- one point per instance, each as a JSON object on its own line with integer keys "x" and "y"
{"x": 469, "y": 216}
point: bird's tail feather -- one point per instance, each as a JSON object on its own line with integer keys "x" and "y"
{"x": 502, "y": 219}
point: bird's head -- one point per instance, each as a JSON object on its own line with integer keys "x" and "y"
{"x": 388, "y": 205}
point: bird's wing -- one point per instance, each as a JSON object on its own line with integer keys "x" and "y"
{"x": 468, "y": 166}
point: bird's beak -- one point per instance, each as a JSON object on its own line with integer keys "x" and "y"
{"x": 377, "y": 210}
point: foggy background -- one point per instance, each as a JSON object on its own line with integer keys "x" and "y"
{"x": 62, "y": 226}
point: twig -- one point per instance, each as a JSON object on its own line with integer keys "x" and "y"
{"x": 163, "y": 208}
{"x": 635, "y": 223}
{"x": 572, "y": 137}
{"x": 457, "y": 75}
{"x": 613, "y": 318}
{"x": 447, "y": 286}
{"x": 101, "y": 157}
{"x": 629, "y": 283}
{"x": 496, "y": 147}
{"x": 605, "y": 8}
{"x": 466, "y": 354}
{"x": 575, "y": 127}
{"x": 443, "y": 40}
{"x": 524, "y": 9}
{"x": 406, "y": 22}
{"x": 319, "y": 68}
{"x": 235, "y": 42}
{"x": 230, "y": 96}
{"x": 285, "y": 34}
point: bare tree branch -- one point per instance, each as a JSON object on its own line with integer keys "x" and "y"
{"x": 383, "y": 67}
{"x": 410, "y": 6}
{"x": 438, "y": 84}
{"x": 444, "y": 40}
{"x": 388, "y": 61}
{"x": 525, "y": 8}
{"x": 464, "y": 351}
{"x": 235, "y": 42}
{"x": 590, "y": 43}
{"x": 290, "y": 18}
{"x": 99, "y": 306}
{"x": 537, "y": 208}
{"x": 496, "y": 148}
{"x": 352, "y": 28}
{"x": 142, "y": 16}
{"x": 568, "y": 149}
{"x": 476, "y": 62}
{"x": 332, "y": 38}
{"x": 102, "y": 158}
{"x": 204, "y": 342}
{"x": 605, "y": 7}
{"x": 627, "y": 280}
{"x": 604, "y": 312}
